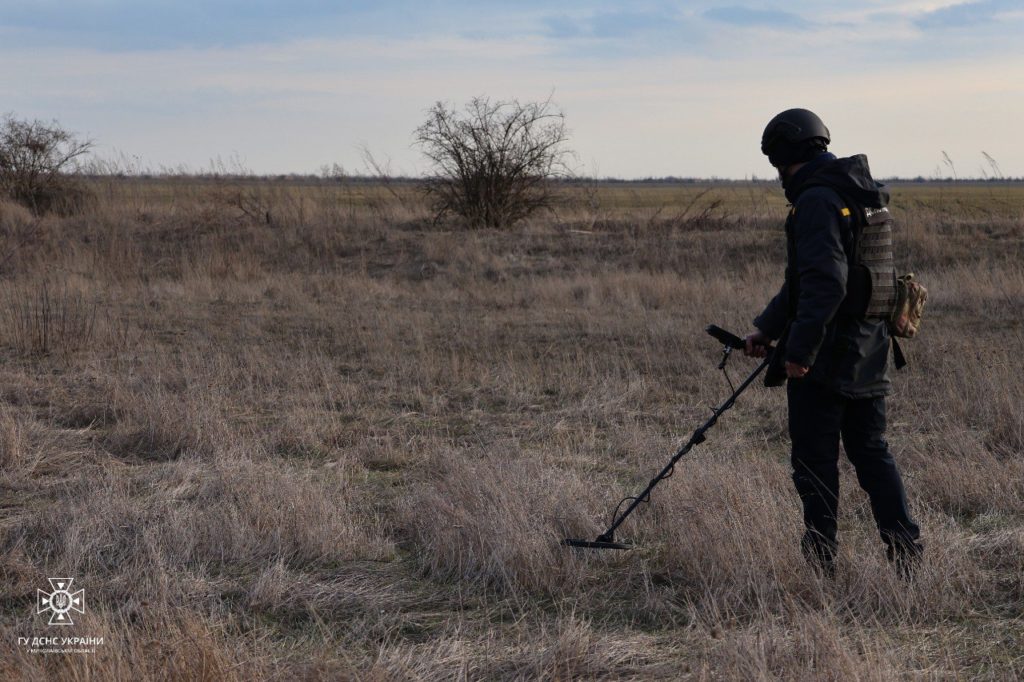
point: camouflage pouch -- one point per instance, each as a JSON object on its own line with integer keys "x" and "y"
{"x": 910, "y": 299}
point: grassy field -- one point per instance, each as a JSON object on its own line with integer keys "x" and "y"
{"x": 299, "y": 432}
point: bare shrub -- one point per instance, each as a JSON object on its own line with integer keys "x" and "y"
{"x": 493, "y": 162}
{"x": 45, "y": 318}
{"x": 37, "y": 165}
{"x": 255, "y": 201}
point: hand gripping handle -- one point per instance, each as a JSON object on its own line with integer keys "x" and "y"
{"x": 728, "y": 338}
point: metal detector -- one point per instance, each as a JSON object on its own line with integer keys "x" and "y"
{"x": 606, "y": 540}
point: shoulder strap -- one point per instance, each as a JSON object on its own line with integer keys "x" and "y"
{"x": 857, "y": 219}
{"x": 898, "y": 358}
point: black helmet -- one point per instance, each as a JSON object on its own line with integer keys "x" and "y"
{"x": 793, "y": 136}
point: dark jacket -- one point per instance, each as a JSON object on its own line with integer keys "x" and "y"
{"x": 846, "y": 354}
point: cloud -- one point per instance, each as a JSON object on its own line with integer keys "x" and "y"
{"x": 561, "y": 27}
{"x": 613, "y": 25}
{"x": 130, "y": 25}
{"x": 739, "y": 15}
{"x": 967, "y": 13}
{"x": 613, "y": 35}
{"x": 653, "y": 90}
{"x": 625, "y": 24}
{"x": 120, "y": 25}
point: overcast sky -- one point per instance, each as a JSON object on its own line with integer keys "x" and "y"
{"x": 657, "y": 89}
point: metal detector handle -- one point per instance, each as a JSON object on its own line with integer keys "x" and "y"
{"x": 728, "y": 338}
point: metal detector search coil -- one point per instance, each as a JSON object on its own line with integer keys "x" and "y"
{"x": 606, "y": 540}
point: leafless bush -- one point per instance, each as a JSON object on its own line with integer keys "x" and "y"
{"x": 43, "y": 318}
{"x": 37, "y": 165}
{"x": 493, "y": 162}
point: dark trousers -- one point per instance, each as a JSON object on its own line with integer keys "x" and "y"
{"x": 818, "y": 418}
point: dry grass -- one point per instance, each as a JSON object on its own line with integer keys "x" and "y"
{"x": 296, "y": 432}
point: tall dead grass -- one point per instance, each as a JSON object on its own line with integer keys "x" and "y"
{"x": 344, "y": 443}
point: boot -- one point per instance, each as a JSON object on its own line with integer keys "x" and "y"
{"x": 820, "y": 553}
{"x": 905, "y": 556}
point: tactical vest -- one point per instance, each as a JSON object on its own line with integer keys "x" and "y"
{"x": 871, "y": 279}
{"x": 873, "y": 251}
{"x": 871, "y": 285}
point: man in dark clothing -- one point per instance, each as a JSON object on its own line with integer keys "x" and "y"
{"x": 835, "y": 355}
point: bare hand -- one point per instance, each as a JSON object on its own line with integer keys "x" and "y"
{"x": 795, "y": 371}
{"x": 757, "y": 345}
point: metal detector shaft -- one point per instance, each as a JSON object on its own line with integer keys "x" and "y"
{"x": 696, "y": 439}
{"x": 731, "y": 342}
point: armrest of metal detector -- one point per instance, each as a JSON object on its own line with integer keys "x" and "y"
{"x": 727, "y": 338}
